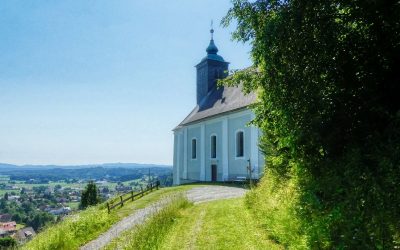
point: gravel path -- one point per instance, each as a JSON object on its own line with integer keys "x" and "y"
{"x": 196, "y": 195}
{"x": 210, "y": 193}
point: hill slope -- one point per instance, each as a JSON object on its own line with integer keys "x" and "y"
{"x": 219, "y": 224}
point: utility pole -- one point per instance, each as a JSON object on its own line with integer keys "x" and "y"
{"x": 149, "y": 177}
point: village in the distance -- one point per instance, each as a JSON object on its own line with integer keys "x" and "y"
{"x": 33, "y": 197}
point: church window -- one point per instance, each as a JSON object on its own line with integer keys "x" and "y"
{"x": 239, "y": 144}
{"x": 213, "y": 146}
{"x": 194, "y": 148}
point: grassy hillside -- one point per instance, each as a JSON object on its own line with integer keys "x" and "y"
{"x": 224, "y": 224}
{"x": 82, "y": 227}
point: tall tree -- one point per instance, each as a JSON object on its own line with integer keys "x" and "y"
{"x": 90, "y": 195}
{"x": 327, "y": 77}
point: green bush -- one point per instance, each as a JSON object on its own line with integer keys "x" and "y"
{"x": 328, "y": 85}
{"x": 8, "y": 243}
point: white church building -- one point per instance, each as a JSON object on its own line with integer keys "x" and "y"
{"x": 215, "y": 141}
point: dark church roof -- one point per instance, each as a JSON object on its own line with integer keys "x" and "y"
{"x": 219, "y": 101}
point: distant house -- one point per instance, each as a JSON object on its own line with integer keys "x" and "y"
{"x": 60, "y": 211}
{"x": 8, "y": 187}
{"x": 49, "y": 190}
{"x": 100, "y": 183}
{"x": 75, "y": 198}
{"x": 7, "y": 228}
{"x": 123, "y": 188}
{"x": 5, "y": 217}
{"x": 214, "y": 142}
{"x": 13, "y": 197}
{"x": 4, "y": 233}
{"x": 25, "y": 234}
{"x": 61, "y": 200}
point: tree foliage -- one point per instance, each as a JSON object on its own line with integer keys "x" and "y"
{"x": 7, "y": 243}
{"x": 327, "y": 77}
{"x": 90, "y": 196}
{"x": 26, "y": 212}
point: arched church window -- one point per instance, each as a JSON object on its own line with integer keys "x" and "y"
{"x": 213, "y": 146}
{"x": 194, "y": 148}
{"x": 239, "y": 144}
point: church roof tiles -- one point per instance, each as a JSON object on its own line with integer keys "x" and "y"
{"x": 219, "y": 101}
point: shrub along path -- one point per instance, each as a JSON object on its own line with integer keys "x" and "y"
{"x": 196, "y": 195}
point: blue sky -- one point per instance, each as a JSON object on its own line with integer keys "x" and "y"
{"x": 102, "y": 81}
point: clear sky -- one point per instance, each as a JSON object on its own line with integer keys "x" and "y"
{"x": 102, "y": 81}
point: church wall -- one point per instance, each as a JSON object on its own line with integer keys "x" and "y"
{"x": 178, "y": 157}
{"x": 193, "y": 164}
{"x": 175, "y": 159}
{"x": 261, "y": 164}
{"x": 261, "y": 161}
{"x": 214, "y": 128}
{"x": 238, "y": 166}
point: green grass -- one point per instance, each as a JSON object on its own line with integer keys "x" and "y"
{"x": 3, "y": 192}
{"x": 130, "y": 207}
{"x": 84, "y": 226}
{"x": 73, "y": 205}
{"x": 225, "y": 224}
{"x": 74, "y": 230}
{"x": 274, "y": 203}
{"x": 151, "y": 234}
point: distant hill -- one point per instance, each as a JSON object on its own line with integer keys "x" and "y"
{"x": 109, "y": 171}
{"x": 5, "y": 166}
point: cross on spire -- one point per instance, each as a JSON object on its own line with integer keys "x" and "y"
{"x": 212, "y": 30}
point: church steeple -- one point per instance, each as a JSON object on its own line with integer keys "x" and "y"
{"x": 212, "y": 49}
{"x": 211, "y": 68}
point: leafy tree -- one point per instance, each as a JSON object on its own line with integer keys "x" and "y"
{"x": 7, "y": 242}
{"x": 328, "y": 83}
{"x": 90, "y": 196}
{"x": 106, "y": 189}
{"x": 6, "y": 196}
{"x": 17, "y": 217}
{"x": 40, "y": 219}
{"x": 3, "y": 204}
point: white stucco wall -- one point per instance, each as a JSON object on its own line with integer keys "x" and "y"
{"x": 228, "y": 165}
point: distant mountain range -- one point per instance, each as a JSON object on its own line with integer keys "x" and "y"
{"x": 5, "y": 166}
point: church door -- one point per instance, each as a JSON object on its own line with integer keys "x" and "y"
{"x": 213, "y": 172}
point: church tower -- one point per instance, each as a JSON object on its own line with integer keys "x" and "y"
{"x": 209, "y": 70}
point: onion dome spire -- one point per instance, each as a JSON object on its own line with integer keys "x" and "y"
{"x": 212, "y": 49}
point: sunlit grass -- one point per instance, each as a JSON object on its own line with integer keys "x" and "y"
{"x": 84, "y": 226}
{"x": 74, "y": 230}
{"x": 151, "y": 234}
{"x": 225, "y": 224}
